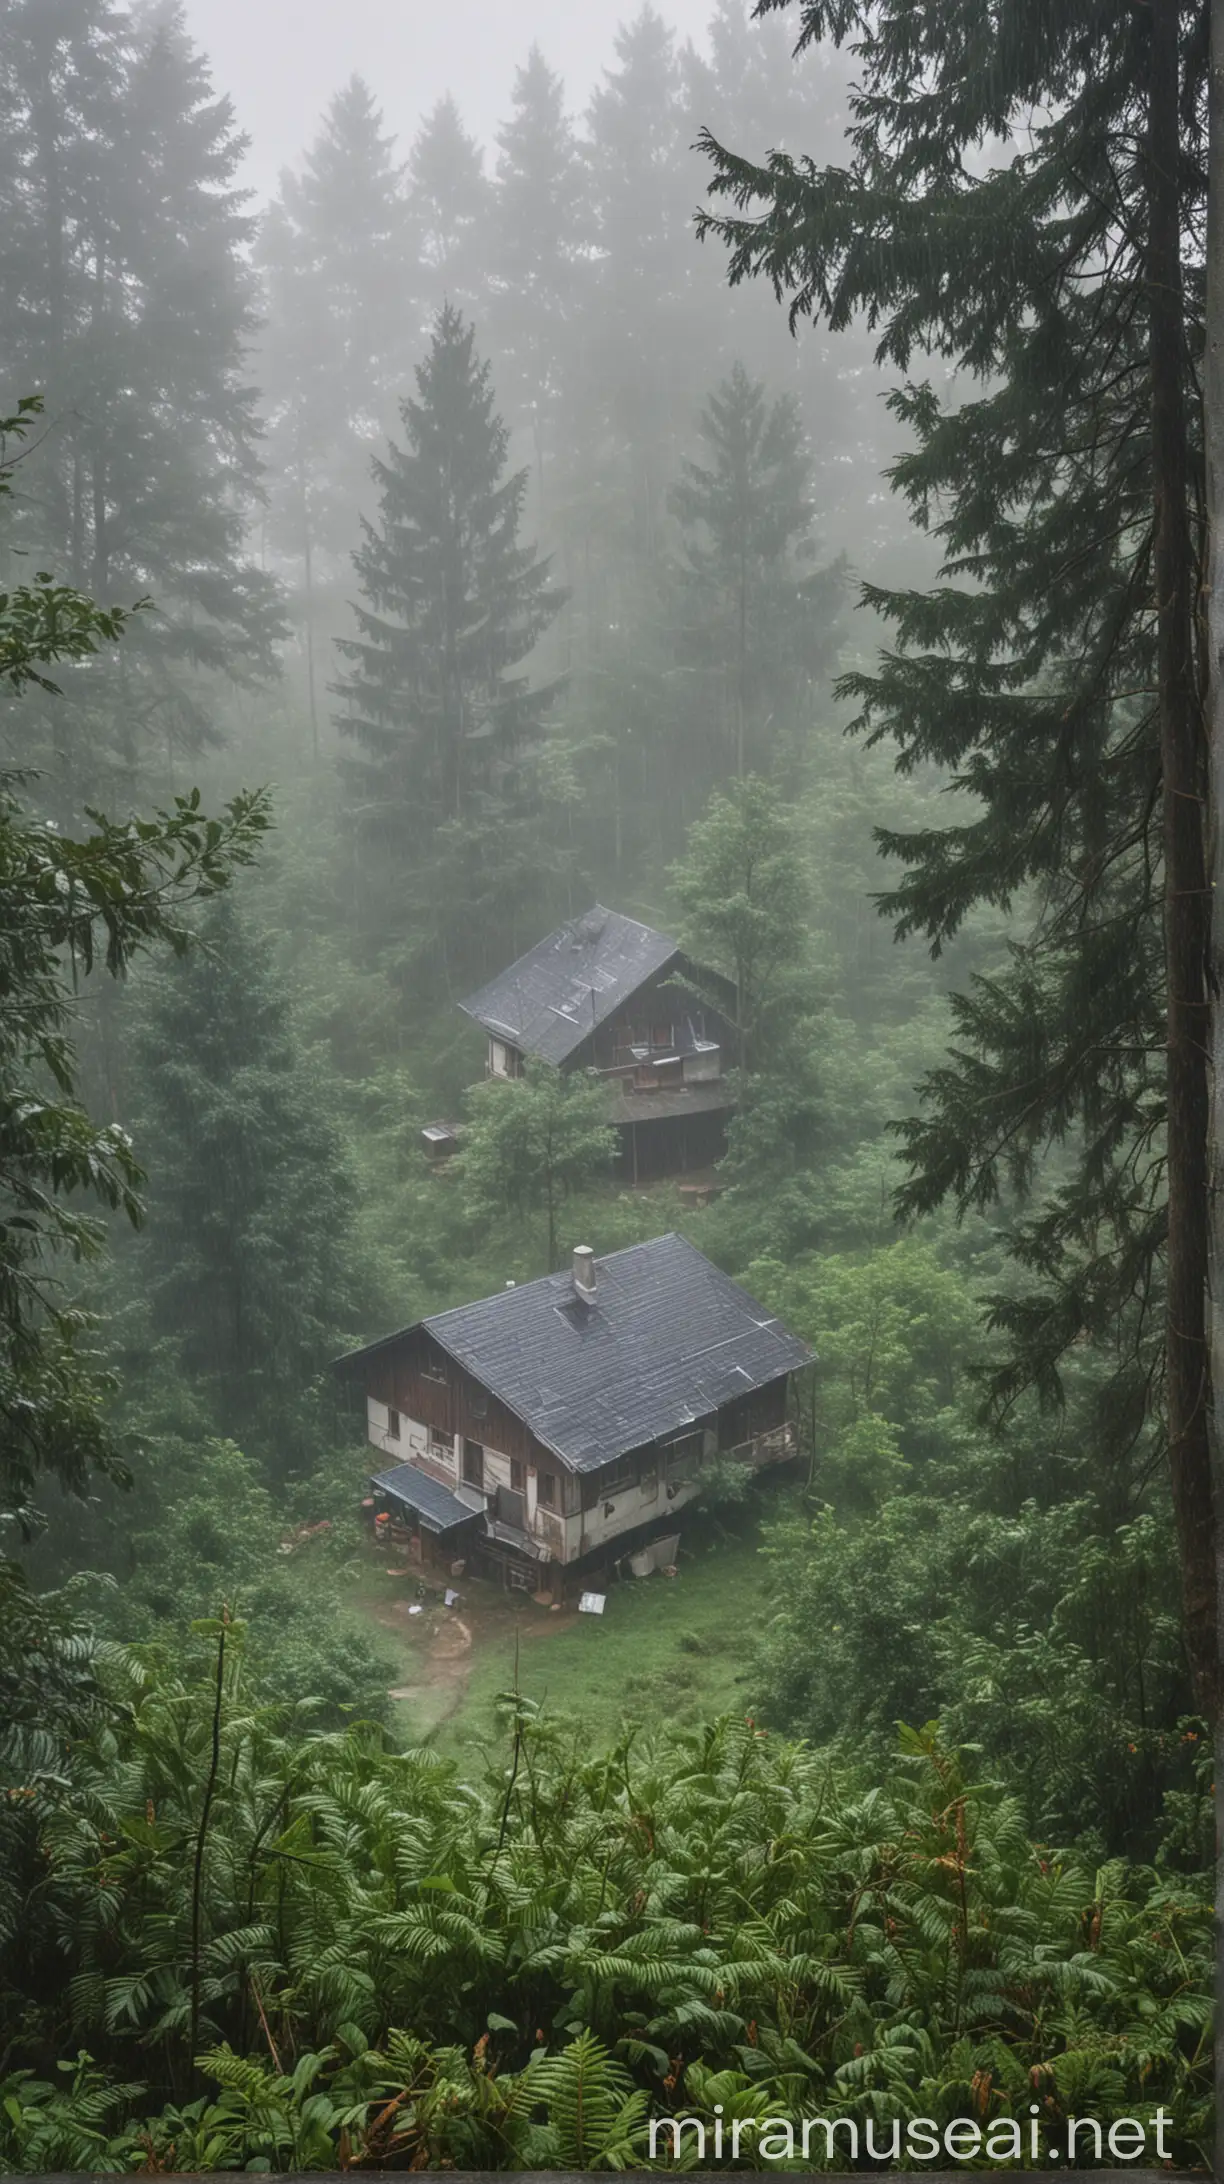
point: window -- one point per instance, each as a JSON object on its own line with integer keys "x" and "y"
{"x": 432, "y": 1368}
{"x": 617, "y": 1476}
{"x": 517, "y": 1480}
{"x": 682, "y": 1456}
{"x": 393, "y": 1424}
{"x": 546, "y": 1490}
{"x": 511, "y": 1508}
{"x": 441, "y": 1444}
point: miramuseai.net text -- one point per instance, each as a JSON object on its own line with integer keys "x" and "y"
{"x": 841, "y": 2140}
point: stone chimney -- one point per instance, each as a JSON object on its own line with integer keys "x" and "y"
{"x": 584, "y": 1271}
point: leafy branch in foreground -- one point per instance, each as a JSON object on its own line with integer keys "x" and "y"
{"x": 44, "y": 622}
{"x": 66, "y": 906}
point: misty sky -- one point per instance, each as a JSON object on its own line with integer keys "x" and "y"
{"x": 281, "y": 60}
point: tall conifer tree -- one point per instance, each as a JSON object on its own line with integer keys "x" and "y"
{"x": 336, "y": 261}
{"x": 449, "y": 204}
{"x": 1056, "y": 673}
{"x": 246, "y": 1259}
{"x": 541, "y": 223}
{"x": 129, "y": 306}
{"x": 641, "y": 332}
{"x": 757, "y": 616}
{"x": 447, "y": 727}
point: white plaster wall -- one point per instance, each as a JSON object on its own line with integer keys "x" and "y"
{"x": 630, "y": 1507}
{"x": 413, "y": 1438}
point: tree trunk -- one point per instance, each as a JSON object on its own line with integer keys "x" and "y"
{"x": 1186, "y": 916}
{"x": 312, "y": 698}
{"x": 1213, "y": 440}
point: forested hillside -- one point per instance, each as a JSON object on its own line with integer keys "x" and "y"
{"x": 762, "y": 501}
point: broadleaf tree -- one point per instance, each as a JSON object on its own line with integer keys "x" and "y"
{"x": 531, "y": 1142}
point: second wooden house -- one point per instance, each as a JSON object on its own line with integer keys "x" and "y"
{"x": 608, "y": 994}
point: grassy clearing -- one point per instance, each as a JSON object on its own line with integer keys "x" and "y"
{"x": 666, "y": 1650}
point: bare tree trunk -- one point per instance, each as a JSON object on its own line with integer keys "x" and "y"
{"x": 1213, "y": 441}
{"x": 308, "y": 557}
{"x": 1186, "y": 913}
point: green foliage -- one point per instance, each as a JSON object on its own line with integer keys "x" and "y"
{"x": 590, "y": 1938}
{"x": 130, "y": 311}
{"x": 442, "y": 785}
{"x": 1029, "y": 674}
{"x": 333, "y": 252}
{"x": 763, "y": 627}
{"x": 533, "y": 1142}
{"x": 202, "y": 1528}
{"x": 64, "y": 905}
{"x": 247, "y": 1262}
{"x": 741, "y": 889}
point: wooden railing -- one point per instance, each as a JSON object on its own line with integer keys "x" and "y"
{"x": 771, "y": 1447}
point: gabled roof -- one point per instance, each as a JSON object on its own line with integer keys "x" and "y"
{"x": 667, "y": 1340}
{"x": 554, "y": 996}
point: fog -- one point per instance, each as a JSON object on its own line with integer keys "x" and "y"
{"x": 601, "y": 963}
{"x": 281, "y": 61}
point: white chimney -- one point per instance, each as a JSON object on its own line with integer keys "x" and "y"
{"x": 584, "y": 1270}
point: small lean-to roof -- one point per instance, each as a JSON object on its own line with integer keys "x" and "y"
{"x": 553, "y": 998}
{"x": 438, "y": 1509}
{"x": 667, "y": 1339}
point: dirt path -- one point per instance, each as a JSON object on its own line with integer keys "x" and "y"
{"x": 436, "y": 1651}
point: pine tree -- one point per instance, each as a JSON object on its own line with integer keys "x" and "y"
{"x": 1055, "y": 673}
{"x": 764, "y": 628}
{"x": 449, "y": 204}
{"x": 537, "y": 276}
{"x": 334, "y": 253}
{"x": 445, "y": 785}
{"x": 245, "y": 1264}
{"x": 642, "y": 331}
{"x": 752, "y": 91}
{"x": 129, "y": 306}
{"x": 740, "y": 885}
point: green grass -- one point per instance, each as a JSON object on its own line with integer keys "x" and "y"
{"x": 665, "y": 1651}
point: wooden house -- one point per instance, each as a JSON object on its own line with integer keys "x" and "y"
{"x": 569, "y": 1420}
{"x": 608, "y": 994}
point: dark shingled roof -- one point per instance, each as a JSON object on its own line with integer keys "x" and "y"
{"x": 554, "y": 996}
{"x": 667, "y": 1340}
{"x": 438, "y": 1509}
